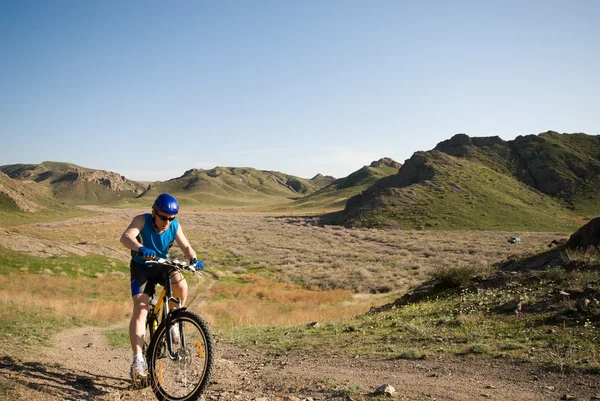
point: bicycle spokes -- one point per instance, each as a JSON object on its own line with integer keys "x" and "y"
{"x": 185, "y": 374}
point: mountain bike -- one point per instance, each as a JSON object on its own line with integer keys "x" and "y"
{"x": 177, "y": 371}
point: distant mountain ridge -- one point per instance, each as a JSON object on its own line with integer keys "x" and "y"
{"x": 76, "y": 185}
{"x": 219, "y": 186}
{"x": 236, "y": 184}
{"x": 549, "y": 181}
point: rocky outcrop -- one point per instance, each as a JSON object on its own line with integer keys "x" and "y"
{"x": 420, "y": 167}
{"x": 194, "y": 171}
{"x": 320, "y": 176}
{"x": 461, "y": 145}
{"x": 385, "y": 162}
{"x": 74, "y": 184}
{"x": 61, "y": 173}
{"x": 587, "y": 236}
{"x": 553, "y": 167}
{"x": 109, "y": 180}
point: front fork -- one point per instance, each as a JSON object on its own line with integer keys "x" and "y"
{"x": 167, "y": 316}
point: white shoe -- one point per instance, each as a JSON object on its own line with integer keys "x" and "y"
{"x": 138, "y": 370}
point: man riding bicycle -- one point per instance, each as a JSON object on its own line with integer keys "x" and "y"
{"x": 150, "y": 236}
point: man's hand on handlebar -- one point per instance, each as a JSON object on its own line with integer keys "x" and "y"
{"x": 147, "y": 253}
{"x": 197, "y": 264}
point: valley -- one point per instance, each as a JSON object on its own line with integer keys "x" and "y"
{"x": 322, "y": 288}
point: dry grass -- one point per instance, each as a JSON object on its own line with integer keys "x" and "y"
{"x": 258, "y": 301}
{"x": 296, "y": 250}
{"x": 103, "y": 229}
{"x": 90, "y": 300}
{"x": 33, "y": 307}
{"x": 270, "y": 265}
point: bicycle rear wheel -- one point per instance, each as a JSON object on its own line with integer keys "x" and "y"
{"x": 187, "y": 377}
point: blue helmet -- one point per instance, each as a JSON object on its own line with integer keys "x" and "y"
{"x": 166, "y": 203}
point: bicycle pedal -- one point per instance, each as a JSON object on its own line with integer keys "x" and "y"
{"x": 145, "y": 382}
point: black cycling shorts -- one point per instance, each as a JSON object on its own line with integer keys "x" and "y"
{"x": 144, "y": 277}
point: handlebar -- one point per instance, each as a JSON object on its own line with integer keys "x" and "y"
{"x": 174, "y": 262}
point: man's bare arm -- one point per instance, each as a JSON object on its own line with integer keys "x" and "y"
{"x": 129, "y": 237}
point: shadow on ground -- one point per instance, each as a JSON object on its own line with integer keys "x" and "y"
{"x": 55, "y": 381}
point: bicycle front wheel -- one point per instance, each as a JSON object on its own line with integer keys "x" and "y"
{"x": 186, "y": 377}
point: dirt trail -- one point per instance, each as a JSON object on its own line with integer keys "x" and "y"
{"x": 82, "y": 366}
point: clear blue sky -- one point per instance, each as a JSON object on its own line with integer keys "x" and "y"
{"x": 150, "y": 89}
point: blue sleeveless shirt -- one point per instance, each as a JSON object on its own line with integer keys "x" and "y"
{"x": 153, "y": 240}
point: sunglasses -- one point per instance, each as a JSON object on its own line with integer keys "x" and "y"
{"x": 164, "y": 218}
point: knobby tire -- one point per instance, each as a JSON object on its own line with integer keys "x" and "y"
{"x": 188, "y": 378}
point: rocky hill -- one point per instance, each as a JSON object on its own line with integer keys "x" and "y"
{"x": 75, "y": 184}
{"x": 566, "y": 166}
{"x": 466, "y": 190}
{"x": 28, "y": 201}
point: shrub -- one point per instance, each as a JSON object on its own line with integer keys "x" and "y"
{"x": 513, "y": 346}
{"x": 556, "y": 275}
{"x": 452, "y": 277}
{"x": 412, "y": 354}
{"x": 479, "y": 349}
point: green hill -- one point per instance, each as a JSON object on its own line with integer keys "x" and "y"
{"x": 335, "y": 195}
{"x": 434, "y": 190}
{"x": 75, "y": 184}
{"x": 234, "y": 187}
